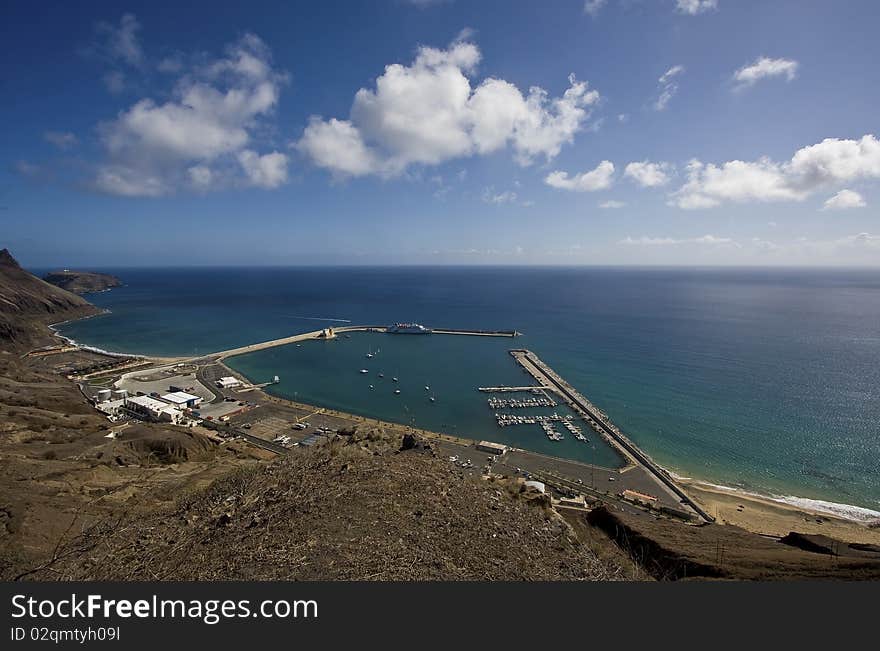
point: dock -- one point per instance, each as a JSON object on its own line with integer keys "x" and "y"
{"x": 550, "y": 380}
{"x": 333, "y": 333}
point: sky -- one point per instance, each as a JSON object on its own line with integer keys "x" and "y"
{"x": 567, "y": 132}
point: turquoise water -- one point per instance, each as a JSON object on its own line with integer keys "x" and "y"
{"x": 327, "y": 373}
{"x": 767, "y": 380}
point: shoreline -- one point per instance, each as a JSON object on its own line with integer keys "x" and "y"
{"x": 707, "y": 492}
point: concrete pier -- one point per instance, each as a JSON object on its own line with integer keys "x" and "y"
{"x": 332, "y": 333}
{"x": 550, "y": 380}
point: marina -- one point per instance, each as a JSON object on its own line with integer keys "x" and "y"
{"x": 600, "y": 422}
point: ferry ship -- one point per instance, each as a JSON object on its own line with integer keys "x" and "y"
{"x": 409, "y": 329}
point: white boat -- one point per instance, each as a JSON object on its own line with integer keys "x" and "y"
{"x": 363, "y": 370}
{"x": 371, "y": 386}
{"x": 433, "y": 399}
{"x": 397, "y": 391}
{"x": 427, "y": 388}
{"x": 394, "y": 379}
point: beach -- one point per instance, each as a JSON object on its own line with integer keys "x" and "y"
{"x": 763, "y": 515}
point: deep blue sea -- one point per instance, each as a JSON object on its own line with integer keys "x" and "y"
{"x": 764, "y": 380}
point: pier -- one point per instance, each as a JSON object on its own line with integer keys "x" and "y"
{"x": 550, "y": 380}
{"x": 332, "y": 333}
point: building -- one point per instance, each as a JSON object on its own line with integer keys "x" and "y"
{"x": 491, "y": 448}
{"x": 111, "y": 407}
{"x": 120, "y": 394}
{"x": 537, "y": 485}
{"x": 182, "y": 400}
{"x": 228, "y": 382}
{"x": 578, "y": 502}
{"x": 152, "y": 409}
{"x": 639, "y": 498}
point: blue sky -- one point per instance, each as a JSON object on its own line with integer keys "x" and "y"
{"x": 446, "y": 132}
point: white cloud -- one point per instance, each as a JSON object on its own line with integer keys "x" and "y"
{"x": 597, "y": 179}
{"x": 611, "y": 205}
{"x": 694, "y": 7}
{"x": 266, "y": 171}
{"x": 593, "y": 7}
{"x": 337, "y": 145}
{"x": 764, "y": 68}
{"x": 707, "y": 240}
{"x": 844, "y": 200}
{"x": 201, "y": 177}
{"x": 810, "y": 169}
{"x": 122, "y": 40}
{"x": 201, "y": 136}
{"x": 490, "y": 196}
{"x": 61, "y": 139}
{"x": 668, "y": 87}
{"x": 427, "y": 112}
{"x": 648, "y": 174}
{"x": 128, "y": 182}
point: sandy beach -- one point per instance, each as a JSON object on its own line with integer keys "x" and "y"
{"x": 768, "y": 517}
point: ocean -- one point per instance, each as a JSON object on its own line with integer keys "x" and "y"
{"x": 764, "y": 380}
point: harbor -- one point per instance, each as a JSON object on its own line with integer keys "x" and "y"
{"x": 514, "y": 406}
{"x": 602, "y": 424}
{"x": 333, "y": 333}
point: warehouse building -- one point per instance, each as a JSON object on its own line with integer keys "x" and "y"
{"x": 152, "y": 409}
{"x": 491, "y": 448}
{"x": 182, "y": 400}
{"x": 228, "y": 382}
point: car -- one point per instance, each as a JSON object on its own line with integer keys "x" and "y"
{"x": 611, "y": 479}
{"x": 247, "y": 425}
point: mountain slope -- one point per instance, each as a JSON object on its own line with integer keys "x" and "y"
{"x": 82, "y": 282}
{"x": 355, "y": 509}
{"x": 28, "y": 304}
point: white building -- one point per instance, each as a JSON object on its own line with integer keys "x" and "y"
{"x": 110, "y": 407}
{"x": 537, "y": 485}
{"x": 147, "y": 407}
{"x": 228, "y": 382}
{"x": 182, "y": 400}
{"x": 491, "y": 448}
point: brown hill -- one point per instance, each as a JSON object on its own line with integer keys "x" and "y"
{"x": 82, "y": 282}
{"x": 355, "y": 509}
{"x": 28, "y": 304}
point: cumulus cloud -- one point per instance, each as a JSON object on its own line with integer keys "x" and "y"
{"x": 648, "y": 174}
{"x": 694, "y": 7}
{"x": 811, "y": 168}
{"x": 266, "y": 171}
{"x": 611, "y": 205}
{"x": 61, "y": 139}
{"x": 597, "y": 179}
{"x": 428, "y": 112}
{"x": 668, "y": 87}
{"x": 764, "y": 68}
{"x": 844, "y": 200}
{"x": 202, "y": 136}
